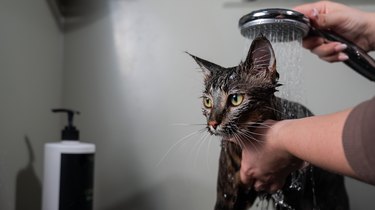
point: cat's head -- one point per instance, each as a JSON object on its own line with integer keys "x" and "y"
{"x": 236, "y": 98}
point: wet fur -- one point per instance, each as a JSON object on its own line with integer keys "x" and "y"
{"x": 257, "y": 79}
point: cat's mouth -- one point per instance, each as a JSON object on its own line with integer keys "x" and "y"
{"x": 226, "y": 131}
{"x": 215, "y": 130}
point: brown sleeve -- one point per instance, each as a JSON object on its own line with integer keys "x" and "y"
{"x": 359, "y": 140}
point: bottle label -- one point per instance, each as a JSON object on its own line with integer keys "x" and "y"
{"x": 76, "y": 182}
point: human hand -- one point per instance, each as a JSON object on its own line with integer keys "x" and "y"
{"x": 354, "y": 25}
{"x": 265, "y": 165}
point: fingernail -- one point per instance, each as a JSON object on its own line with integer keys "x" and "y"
{"x": 340, "y": 47}
{"x": 343, "y": 57}
{"x": 314, "y": 13}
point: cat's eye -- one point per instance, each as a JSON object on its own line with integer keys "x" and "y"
{"x": 207, "y": 102}
{"x": 236, "y": 99}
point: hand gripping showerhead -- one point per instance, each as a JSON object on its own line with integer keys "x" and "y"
{"x": 285, "y": 25}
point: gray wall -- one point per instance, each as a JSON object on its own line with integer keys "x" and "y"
{"x": 30, "y": 85}
{"x": 136, "y": 88}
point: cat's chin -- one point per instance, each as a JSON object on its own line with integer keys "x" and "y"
{"x": 215, "y": 132}
{"x": 220, "y": 133}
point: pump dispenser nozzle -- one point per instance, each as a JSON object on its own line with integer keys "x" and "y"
{"x": 70, "y": 132}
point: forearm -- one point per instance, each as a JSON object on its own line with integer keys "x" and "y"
{"x": 317, "y": 140}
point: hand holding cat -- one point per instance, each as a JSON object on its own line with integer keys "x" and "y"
{"x": 352, "y": 24}
{"x": 265, "y": 165}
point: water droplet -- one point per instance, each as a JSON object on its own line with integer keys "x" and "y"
{"x": 278, "y": 199}
{"x": 297, "y": 180}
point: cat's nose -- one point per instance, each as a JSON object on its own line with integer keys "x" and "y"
{"x": 213, "y": 124}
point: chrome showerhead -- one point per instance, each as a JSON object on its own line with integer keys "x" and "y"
{"x": 276, "y": 24}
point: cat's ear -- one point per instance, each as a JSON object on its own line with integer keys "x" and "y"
{"x": 261, "y": 58}
{"x": 207, "y": 67}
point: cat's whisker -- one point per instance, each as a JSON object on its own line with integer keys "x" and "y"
{"x": 208, "y": 154}
{"x": 255, "y": 133}
{"x": 250, "y": 140}
{"x": 247, "y": 137}
{"x": 250, "y": 135}
{"x": 242, "y": 142}
{"x": 194, "y": 151}
{"x": 255, "y": 125}
{"x": 254, "y": 122}
{"x": 273, "y": 109}
{"x": 201, "y": 142}
{"x": 177, "y": 143}
{"x": 187, "y": 124}
{"x": 238, "y": 141}
{"x": 254, "y": 145}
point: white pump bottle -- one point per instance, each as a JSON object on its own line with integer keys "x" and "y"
{"x": 68, "y": 171}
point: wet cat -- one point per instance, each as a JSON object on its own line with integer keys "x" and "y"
{"x": 234, "y": 101}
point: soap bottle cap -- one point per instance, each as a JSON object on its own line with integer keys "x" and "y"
{"x": 70, "y": 132}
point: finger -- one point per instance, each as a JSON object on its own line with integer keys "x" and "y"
{"x": 312, "y": 42}
{"x": 336, "y": 58}
{"x": 311, "y": 10}
{"x": 317, "y": 11}
{"x": 328, "y": 49}
{"x": 260, "y": 186}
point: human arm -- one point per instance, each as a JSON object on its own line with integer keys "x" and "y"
{"x": 354, "y": 25}
{"x": 317, "y": 140}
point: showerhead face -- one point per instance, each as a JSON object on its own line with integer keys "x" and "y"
{"x": 278, "y": 25}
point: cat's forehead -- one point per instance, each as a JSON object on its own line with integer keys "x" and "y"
{"x": 226, "y": 80}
